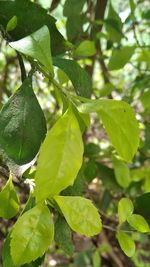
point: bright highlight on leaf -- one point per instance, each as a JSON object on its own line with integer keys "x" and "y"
{"x": 126, "y": 243}
{"x": 37, "y": 46}
{"x": 31, "y": 235}
{"x": 60, "y": 157}
{"x": 80, "y": 214}
{"x": 120, "y": 124}
{"x": 139, "y": 223}
{"x": 125, "y": 209}
{"x": 9, "y": 202}
{"x": 22, "y": 125}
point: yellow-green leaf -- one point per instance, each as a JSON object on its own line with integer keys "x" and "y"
{"x": 120, "y": 124}
{"x": 60, "y": 157}
{"x": 122, "y": 172}
{"x": 126, "y": 243}
{"x": 31, "y": 235}
{"x": 125, "y": 209}
{"x": 9, "y": 202}
{"x": 80, "y": 214}
{"x": 85, "y": 49}
{"x": 139, "y": 223}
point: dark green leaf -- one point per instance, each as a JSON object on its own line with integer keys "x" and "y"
{"x": 113, "y": 25}
{"x": 31, "y": 17}
{"x": 6, "y": 256}
{"x": 74, "y": 26}
{"x": 73, "y": 7}
{"x": 78, "y": 76}
{"x": 77, "y": 188}
{"x": 107, "y": 176}
{"x": 22, "y": 125}
{"x": 142, "y": 207}
{"x": 63, "y": 236}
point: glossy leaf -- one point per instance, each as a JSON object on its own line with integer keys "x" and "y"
{"x": 120, "y": 57}
{"x": 80, "y": 214}
{"x": 125, "y": 209}
{"x": 60, "y": 157}
{"x": 63, "y": 236}
{"x": 85, "y": 49}
{"x": 126, "y": 243}
{"x": 78, "y": 76}
{"x": 122, "y": 172}
{"x": 9, "y": 202}
{"x": 31, "y": 235}
{"x": 120, "y": 124}
{"x": 139, "y": 223}
{"x": 30, "y": 17}
{"x": 22, "y": 125}
{"x": 37, "y": 46}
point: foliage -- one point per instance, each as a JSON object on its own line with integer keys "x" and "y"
{"x": 89, "y": 87}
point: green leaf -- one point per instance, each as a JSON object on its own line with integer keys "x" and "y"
{"x": 6, "y": 256}
{"x": 120, "y": 124}
{"x": 125, "y": 209}
{"x": 9, "y": 200}
{"x": 96, "y": 259}
{"x": 126, "y": 243}
{"x": 113, "y": 25}
{"x": 73, "y": 7}
{"x": 63, "y": 236}
{"x": 90, "y": 170}
{"x": 77, "y": 188}
{"x": 11, "y": 25}
{"x": 145, "y": 99}
{"x": 141, "y": 206}
{"x": 74, "y": 26}
{"x": 120, "y": 57}
{"x": 37, "y": 46}
{"x": 85, "y": 49}
{"x": 22, "y": 125}
{"x": 80, "y": 214}
{"x": 139, "y": 223}
{"x": 31, "y": 235}
{"x": 107, "y": 177}
{"x": 31, "y": 17}
{"x": 122, "y": 172}
{"x": 79, "y": 77}
{"x": 60, "y": 157}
